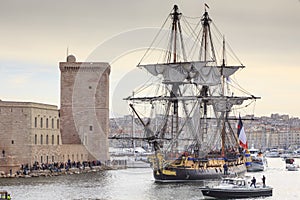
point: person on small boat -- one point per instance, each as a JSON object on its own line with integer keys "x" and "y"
{"x": 225, "y": 167}
{"x": 264, "y": 181}
{"x": 253, "y": 182}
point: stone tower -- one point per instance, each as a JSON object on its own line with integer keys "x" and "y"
{"x": 84, "y": 105}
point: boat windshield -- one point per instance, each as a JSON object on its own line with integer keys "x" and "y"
{"x": 239, "y": 182}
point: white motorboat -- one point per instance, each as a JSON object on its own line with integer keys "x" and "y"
{"x": 259, "y": 161}
{"x": 290, "y": 164}
{"x": 236, "y": 188}
{"x": 273, "y": 153}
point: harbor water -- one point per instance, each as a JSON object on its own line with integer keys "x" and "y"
{"x": 134, "y": 183}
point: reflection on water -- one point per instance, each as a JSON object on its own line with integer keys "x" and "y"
{"x": 131, "y": 184}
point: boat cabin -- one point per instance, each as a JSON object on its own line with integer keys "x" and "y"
{"x": 234, "y": 181}
{"x": 289, "y": 161}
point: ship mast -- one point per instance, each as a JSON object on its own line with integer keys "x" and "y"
{"x": 223, "y": 132}
{"x": 206, "y": 41}
{"x": 207, "y": 53}
{"x": 175, "y": 33}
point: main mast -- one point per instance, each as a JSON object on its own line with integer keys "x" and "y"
{"x": 204, "y": 55}
{"x": 207, "y": 54}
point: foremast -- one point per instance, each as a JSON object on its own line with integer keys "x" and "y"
{"x": 176, "y": 32}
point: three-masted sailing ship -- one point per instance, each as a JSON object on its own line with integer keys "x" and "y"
{"x": 189, "y": 119}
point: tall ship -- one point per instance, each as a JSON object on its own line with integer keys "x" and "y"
{"x": 187, "y": 109}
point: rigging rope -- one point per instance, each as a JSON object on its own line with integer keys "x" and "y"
{"x": 154, "y": 39}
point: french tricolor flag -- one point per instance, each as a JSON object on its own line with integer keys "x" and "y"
{"x": 242, "y": 134}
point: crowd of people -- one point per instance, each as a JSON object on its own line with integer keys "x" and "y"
{"x": 25, "y": 169}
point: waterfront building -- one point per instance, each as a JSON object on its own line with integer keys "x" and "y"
{"x": 29, "y": 132}
{"x": 276, "y": 131}
{"x": 35, "y": 132}
{"x": 84, "y": 111}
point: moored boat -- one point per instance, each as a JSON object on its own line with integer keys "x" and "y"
{"x": 273, "y": 153}
{"x": 236, "y": 188}
{"x": 258, "y": 160}
{"x": 290, "y": 164}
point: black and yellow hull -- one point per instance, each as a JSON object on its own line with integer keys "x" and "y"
{"x": 181, "y": 174}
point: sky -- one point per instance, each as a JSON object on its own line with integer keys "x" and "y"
{"x": 37, "y": 35}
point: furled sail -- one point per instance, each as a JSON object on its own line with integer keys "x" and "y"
{"x": 225, "y": 104}
{"x": 198, "y": 71}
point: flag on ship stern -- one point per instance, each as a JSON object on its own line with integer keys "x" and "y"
{"x": 242, "y": 134}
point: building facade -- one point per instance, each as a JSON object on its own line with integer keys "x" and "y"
{"x": 29, "y": 132}
{"x": 35, "y": 132}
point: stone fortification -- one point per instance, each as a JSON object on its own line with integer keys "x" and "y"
{"x": 84, "y": 112}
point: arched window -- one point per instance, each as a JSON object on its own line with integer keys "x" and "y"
{"x": 41, "y": 139}
{"x": 35, "y": 122}
{"x": 57, "y": 123}
{"x": 58, "y": 139}
{"x": 52, "y": 139}
{"x": 35, "y": 139}
{"x": 41, "y": 122}
{"x": 47, "y": 123}
{"x": 47, "y": 139}
{"x": 52, "y": 123}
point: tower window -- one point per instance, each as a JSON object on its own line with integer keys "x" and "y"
{"x": 47, "y": 139}
{"x": 41, "y": 122}
{"x": 35, "y": 122}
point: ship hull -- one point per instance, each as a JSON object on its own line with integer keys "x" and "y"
{"x": 192, "y": 175}
{"x": 237, "y": 193}
{"x": 257, "y": 167}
